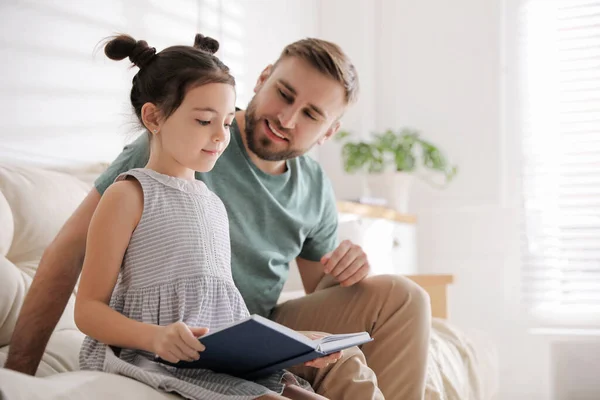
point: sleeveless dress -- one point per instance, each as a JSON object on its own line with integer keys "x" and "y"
{"x": 177, "y": 268}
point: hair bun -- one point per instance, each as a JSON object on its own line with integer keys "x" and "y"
{"x": 122, "y": 46}
{"x": 206, "y": 43}
{"x": 142, "y": 53}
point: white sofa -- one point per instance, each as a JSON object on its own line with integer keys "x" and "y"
{"x": 35, "y": 203}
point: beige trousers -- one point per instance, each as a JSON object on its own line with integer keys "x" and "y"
{"x": 397, "y": 314}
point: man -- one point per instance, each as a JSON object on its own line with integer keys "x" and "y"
{"x": 281, "y": 207}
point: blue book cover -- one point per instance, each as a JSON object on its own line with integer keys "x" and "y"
{"x": 257, "y": 346}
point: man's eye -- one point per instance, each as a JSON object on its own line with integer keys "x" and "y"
{"x": 286, "y": 97}
{"x": 203, "y": 123}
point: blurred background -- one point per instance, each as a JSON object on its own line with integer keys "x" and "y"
{"x": 507, "y": 90}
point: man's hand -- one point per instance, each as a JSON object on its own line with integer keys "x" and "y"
{"x": 348, "y": 263}
{"x": 321, "y": 362}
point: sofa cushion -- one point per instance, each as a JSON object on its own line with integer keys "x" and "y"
{"x": 61, "y": 354}
{"x": 7, "y": 225}
{"x": 80, "y": 385}
{"x": 41, "y": 201}
{"x": 13, "y": 287}
{"x": 34, "y": 205}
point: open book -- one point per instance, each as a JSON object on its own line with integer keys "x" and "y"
{"x": 257, "y": 346}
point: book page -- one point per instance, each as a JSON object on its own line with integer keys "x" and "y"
{"x": 339, "y": 342}
{"x": 333, "y": 338}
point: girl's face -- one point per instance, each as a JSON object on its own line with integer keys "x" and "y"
{"x": 197, "y": 133}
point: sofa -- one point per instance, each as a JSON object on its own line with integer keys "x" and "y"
{"x": 34, "y": 204}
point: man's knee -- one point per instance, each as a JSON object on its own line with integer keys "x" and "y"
{"x": 352, "y": 353}
{"x": 404, "y": 292}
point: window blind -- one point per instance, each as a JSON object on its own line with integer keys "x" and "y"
{"x": 559, "y": 70}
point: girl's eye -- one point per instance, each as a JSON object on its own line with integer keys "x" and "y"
{"x": 203, "y": 123}
{"x": 309, "y": 115}
{"x": 227, "y": 126}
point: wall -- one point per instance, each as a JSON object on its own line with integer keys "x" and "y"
{"x": 356, "y": 33}
{"x": 65, "y": 103}
{"x": 575, "y": 366}
{"x": 440, "y": 67}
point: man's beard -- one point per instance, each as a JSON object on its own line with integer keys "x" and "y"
{"x": 262, "y": 147}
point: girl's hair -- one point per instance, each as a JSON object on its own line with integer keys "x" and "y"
{"x": 165, "y": 77}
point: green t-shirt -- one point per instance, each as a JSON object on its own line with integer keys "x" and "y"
{"x": 272, "y": 218}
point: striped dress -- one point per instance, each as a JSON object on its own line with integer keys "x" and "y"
{"x": 177, "y": 268}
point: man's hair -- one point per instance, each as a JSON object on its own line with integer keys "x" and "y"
{"x": 329, "y": 59}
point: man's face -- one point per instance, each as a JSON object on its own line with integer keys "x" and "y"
{"x": 294, "y": 108}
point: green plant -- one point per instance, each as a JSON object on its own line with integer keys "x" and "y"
{"x": 404, "y": 151}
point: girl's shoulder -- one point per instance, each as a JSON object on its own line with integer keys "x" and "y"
{"x": 149, "y": 177}
{"x": 124, "y": 198}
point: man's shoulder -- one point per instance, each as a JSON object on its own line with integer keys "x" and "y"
{"x": 311, "y": 170}
{"x": 314, "y": 181}
{"x": 141, "y": 144}
{"x": 134, "y": 155}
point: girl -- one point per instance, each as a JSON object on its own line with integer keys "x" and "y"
{"x": 156, "y": 274}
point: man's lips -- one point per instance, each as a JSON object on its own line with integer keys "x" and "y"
{"x": 274, "y": 133}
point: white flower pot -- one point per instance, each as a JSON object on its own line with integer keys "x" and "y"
{"x": 392, "y": 186}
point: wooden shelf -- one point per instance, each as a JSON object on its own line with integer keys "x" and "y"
{"x": 431, "y": 280}
{"x": 437, "y": 288}
{"x": 370, "y": 211}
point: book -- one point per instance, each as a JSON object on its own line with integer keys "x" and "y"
{"x": 256, "y": 347}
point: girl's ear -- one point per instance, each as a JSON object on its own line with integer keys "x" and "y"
{"x": 151, "y": 118}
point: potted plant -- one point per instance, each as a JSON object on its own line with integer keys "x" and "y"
{"x": 391, "y": 160}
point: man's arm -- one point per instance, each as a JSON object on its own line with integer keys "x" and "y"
{"x": 344, "y": 266}
{"x": 57, "y": 274}
{"x": 313, "y": 275}
{"x": 320, "y": 242}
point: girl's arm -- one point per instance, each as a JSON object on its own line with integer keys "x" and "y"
{"x": 112, "y": 224}
{"x": 115, "y": 219}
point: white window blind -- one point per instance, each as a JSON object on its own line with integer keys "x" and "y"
{"x": 559, "y": 53}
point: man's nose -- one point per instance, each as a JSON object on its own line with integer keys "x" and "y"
{"x": 288, "y": 116}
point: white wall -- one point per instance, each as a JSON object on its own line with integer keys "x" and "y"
{"x": 357, "y": 33}
{"x": 64, "y": 104}
{"x": 440, "y": 67}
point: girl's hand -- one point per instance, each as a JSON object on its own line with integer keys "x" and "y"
{"x": 323, "y": 361}
{"x": 178, "y": 342}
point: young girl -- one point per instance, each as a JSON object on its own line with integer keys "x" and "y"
{"x": 156, "y": 274}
